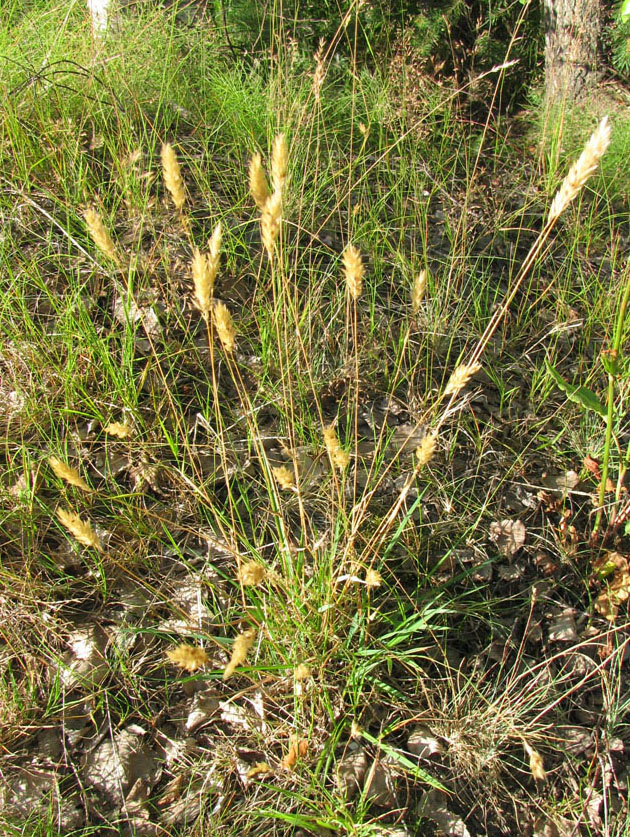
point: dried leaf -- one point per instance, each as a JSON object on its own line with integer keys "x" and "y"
{"x": 351, "y": 772}
{"x": 562, "y": 628}
{"x": 433, "y": 806}
{"x": 509, "y": 536}
{"x": 258, "y": 769}
{"x": 241, "y": 646}
{"x": 423, "y": 744}
{"x": 298, "y": 748}
{"x": 65, "y": 472}
{"x": 189, "y": 657}
{"x": 617, "y": 591}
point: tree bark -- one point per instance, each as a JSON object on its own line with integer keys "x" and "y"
{"x": 572, "y": 30}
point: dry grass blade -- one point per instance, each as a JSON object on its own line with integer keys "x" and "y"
{"x": 240, "y": 649}
{"x": 460, "y": 377}
{"x": 188, "y": 657}
{"x": 353, "y": 270}
{"x": 258, "y": 182}
{"x": 65, "y": 472}
{"x": 580, "y": 171}
{"x": 99, "y": 235}
{"x": 172, "y": 176}
{"x": 81, "y": 530}
{"x": 224, "y": 326}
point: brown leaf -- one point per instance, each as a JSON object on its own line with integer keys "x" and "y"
{"x": 509, "y": 536}
{"x": 298, "y": 748}
{"x": 592, "y": 466}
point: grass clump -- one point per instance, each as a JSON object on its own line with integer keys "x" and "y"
{"x": 306, "y": 569}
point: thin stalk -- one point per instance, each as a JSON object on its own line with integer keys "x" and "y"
{"x": 613, "y": 369}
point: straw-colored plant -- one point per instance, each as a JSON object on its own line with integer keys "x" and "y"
{"x": 173, "y": 179}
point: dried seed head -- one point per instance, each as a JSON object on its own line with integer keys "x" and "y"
{"x": 460, "y": 377}
{"x": 203, "y": 282}
{"x": 339, "y": 458}
{"x": 241, "y": 646}
{"x": 580, "y": 171}
{"x": 320, "y": 72}
{"x": 251, "y": 573}
{"x": 120, "y": 429}
{"x": 373, "y": 579}
{"x": 270, "y": 222}
{"x": 536, "y": 763}
{"x": 65, "y": 472}
{"x": 224, "y": 326}
{"x": 426, "y": 449}
{"x": 279, "y": 156}
{"x": 214, "y": 250}
{"x": 258, "y": 182}
{"x": 284, "y": 476}
{"x": 99, "y": 235}
{"x": 188, "y": 657}
{"x": 172, "y": 176}
{"x": 418, "y": 291}
{"x": 353, "y": 268}
{"x": 302, "y": 672}
{"x": 80, "y": 529}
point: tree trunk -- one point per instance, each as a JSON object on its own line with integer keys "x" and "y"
{"x": 571, "y": 34}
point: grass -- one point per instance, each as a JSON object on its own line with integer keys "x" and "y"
{"x": 275, "y": 500}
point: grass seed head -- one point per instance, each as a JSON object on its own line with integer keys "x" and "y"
{"x": 581, "y": 170}
{"x": 188, "y": 657}
{"x": 279, "y": 156}
{"x": 460, "y": 377}
{"x": 120, "y": 429}
{"x": 81, "y": 530}
{"x": 353, "y": 269}
{"x": 172, "y": 176}
{"x": 203, "y": 282}
{"x": 536, "y": 763}
{"x": 373, "y": 579}
{"x": 270, "y": 222}
{"x": 224, "y": 326}
{"x": 251, "y": 573}
{"x": 99, "y": 235}
{"x": 418, "y": 291}
{"x": 319, "y": 73}
{"x": 284, "y": 476}
{"x": 240, "y": 649}
{"x": 258, "y": 182}
{"x": 426, "y": 449}
{"x": 65, "y": 472}
{"x": 338, "y": 456}
{"x": 302, "y": 672}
